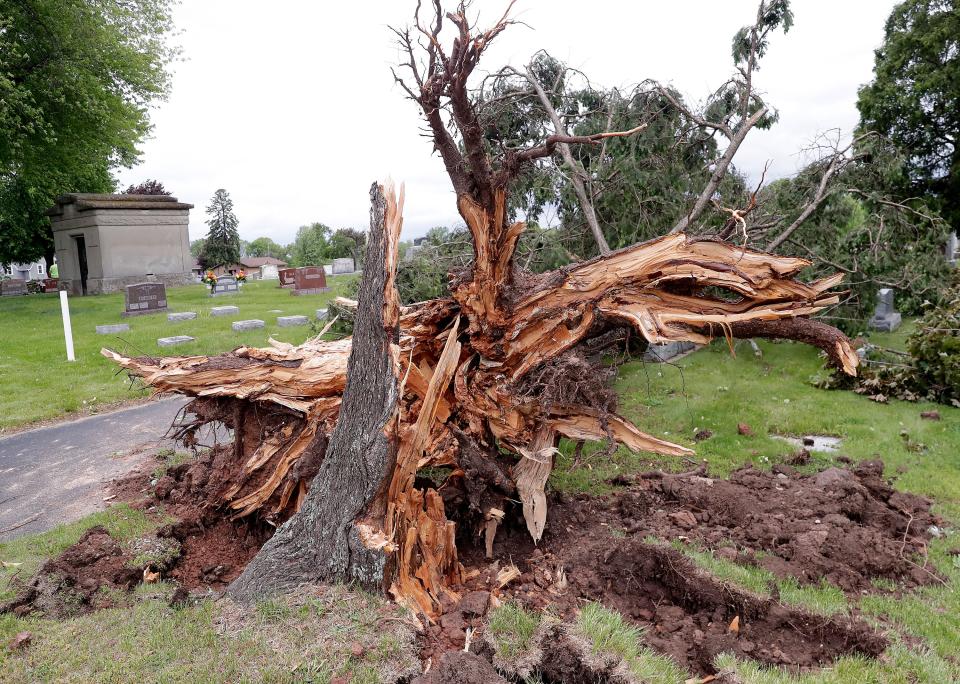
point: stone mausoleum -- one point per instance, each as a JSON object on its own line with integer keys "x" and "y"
{"x": 106, "y": 242}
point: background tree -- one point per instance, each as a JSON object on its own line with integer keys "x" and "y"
{"x": 196, "y": 247}
{"x": 265, "y": 247}
{"x": 223, "y": 241}
{"x": 914, "y": 99}
{"x": 147, "y": 187}
{"x": 311, "y": 247}
{"x": 348, "y": 242}
{"x": 76, "y": 82}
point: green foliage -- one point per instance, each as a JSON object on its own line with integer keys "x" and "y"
{"x": 311, "y": 246}
{"x": 867, "y": 233}
{"x": 222, "y": 245}
{"x": 935, "y": 348}
{"x": 196, "y": 247}
{"x": 929, "y": 371}
{"x": 265, "y": 247}
{"x": 914, "y": 98}
{"x": 641, "y": 184}
{"x": 348, "y": 243}
{"x": 423, "y": 271}
{"x": 76, "y": 81}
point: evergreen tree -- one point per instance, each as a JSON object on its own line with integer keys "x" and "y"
{"x": 223, "y": 241}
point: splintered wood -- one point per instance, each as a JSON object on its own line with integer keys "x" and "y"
{"x": 460, "y": 363}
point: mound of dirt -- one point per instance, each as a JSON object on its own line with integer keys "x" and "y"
{"x": 214, "y": 549}
{"x": 847, "y": 527}
{"x": 73, "y": 583}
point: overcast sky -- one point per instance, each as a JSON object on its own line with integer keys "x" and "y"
{"x": 290, "y": 105}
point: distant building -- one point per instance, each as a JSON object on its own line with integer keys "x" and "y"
{"x": 106, "y": 242}
{"x": 256, "y": 268}
{"x": 34, "y": 271}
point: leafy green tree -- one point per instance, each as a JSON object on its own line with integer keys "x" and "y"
{"x": 265, "y": 247}
{"x": 914, "y": 99}
{"x": 76, "y": 82}
{"x": 311, "y": 246}
{"x": 348, "y": 243}
{"x": 223, "y": 241}
{"x": 196, "y": 247}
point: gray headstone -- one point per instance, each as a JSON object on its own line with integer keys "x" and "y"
{"x": 252, "y": 324}
{"x": 885, "y": 318}
{"x": 226, "y": 285}
{"x": 344, "y": 265}
{"x": 224, "y": 310}
{"x": 322, "y": 314}
{"x": 173, "y": 341}
{"x": 13, "y": 287}
{"x": 144, "y": 298}
{"x": 291, "y": 321}
{"x": 182, "y": 316}
{"x": 884, "y": 302}
{"x": 658, "y": 353}
{"x": 111, "y": 329}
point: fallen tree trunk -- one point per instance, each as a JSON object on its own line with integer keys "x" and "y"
{"x": 439, "y": 384}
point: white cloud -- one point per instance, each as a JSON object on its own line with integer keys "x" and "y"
{"x": 291, "y": 106}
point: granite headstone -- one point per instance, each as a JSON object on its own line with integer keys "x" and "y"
{"x": 144, "y": 298}
{"x": 885, "y": 318}
{"x": 225, "y": 285}
{"x": 13, "y": 287}
{"x": 310, "y": 280}
{"x": 287, "y": 276}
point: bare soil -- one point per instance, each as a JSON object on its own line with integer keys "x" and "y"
{"x": 845, "y": 525}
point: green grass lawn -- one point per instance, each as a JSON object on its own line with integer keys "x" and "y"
{"x": 706, "y": 390}
{"x": 37, "y": 382}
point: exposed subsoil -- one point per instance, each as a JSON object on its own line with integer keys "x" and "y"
{"x": 848, "y": 526}
{"x": 74, "y": 582}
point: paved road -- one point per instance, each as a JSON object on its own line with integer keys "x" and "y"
{"x": 57, "y": 474}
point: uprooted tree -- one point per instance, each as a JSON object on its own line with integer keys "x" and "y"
{"x": 330, "y": 435}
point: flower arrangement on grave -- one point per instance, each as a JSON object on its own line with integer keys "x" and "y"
{"x": 241, "y": 276}
{"x": 209, "y": 279}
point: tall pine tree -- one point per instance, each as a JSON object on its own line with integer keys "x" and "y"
{"x": 223, "y": 240}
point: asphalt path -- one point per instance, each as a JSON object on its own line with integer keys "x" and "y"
{"x": 55, "y": 474}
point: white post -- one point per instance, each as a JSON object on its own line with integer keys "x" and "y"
{"x": 67, "y": 329}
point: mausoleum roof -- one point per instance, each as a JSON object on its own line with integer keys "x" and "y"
{"x": 87, "y": 201}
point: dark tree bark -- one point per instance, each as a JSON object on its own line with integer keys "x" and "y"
{"x": 321, "y": 542}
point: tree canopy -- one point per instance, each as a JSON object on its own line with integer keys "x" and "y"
{"x": 914, "y": 98}
{"x": 77, "y": 79}
{"x": 223, "y": 241}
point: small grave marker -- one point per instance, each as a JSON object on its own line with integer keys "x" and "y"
{"x": 291, "y": 321}
{"x": 344, "y": 265}
{"x": 225, "y": 285}
{"x": 251, "y": 324}
{"x": 310, "y": 280}
{"x": 13, "y": 287}
{"x": 322, "y": 314}
{"x": 287, "y": 276}
{"x": 113, "y": 328}
{"x": 885, "y": 318}
{"x": 224, "y": 310}
{"x": 51, "y": 284}
{"x": 173, "y": 341}
{"x": 144, "y": 298}
{"x": 182, "y": 316}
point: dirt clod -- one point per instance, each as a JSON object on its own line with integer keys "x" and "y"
{"x": 463, "y": 668}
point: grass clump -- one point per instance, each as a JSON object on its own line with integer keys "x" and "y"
{"x": 609, "y": 634}
{"x": 512, "y": 629}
